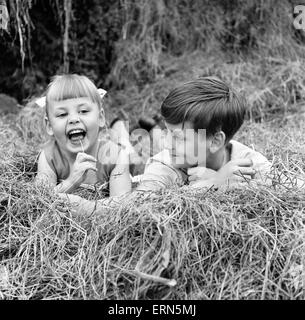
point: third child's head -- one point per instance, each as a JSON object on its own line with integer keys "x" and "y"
{"x": 201, "y": 117}
{"x": 74, "y": 113}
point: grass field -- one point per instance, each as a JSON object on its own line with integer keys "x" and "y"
{"x": 176, "y": 244}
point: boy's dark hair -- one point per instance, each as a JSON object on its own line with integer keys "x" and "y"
{"x": 208, "y": 103}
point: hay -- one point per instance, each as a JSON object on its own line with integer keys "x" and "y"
{"x": 175, "y": 244}
{"x": 274, "y": 87}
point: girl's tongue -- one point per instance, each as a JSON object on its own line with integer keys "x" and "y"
{"x": 77, "y": 136}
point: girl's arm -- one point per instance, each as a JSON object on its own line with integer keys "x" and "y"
{"x": 46, "y": 175}
{"x": 120, "y": 180}
{"x": 85, "y": 208}
{"x": 119, "y": 183}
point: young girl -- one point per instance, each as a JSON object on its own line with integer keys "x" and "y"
{"x": 78, "y": 151}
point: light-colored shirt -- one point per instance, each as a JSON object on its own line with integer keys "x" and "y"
{"x": 160, "y": 173}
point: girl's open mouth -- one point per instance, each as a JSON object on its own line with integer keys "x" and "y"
{"x": 76, "y": 135}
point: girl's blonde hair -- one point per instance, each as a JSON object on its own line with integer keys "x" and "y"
{"x": 69, "y": 86}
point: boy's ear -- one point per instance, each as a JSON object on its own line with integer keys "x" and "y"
{"x": 48, "y": 126}
{"x": 218, "y": 141}
{"x": 102, "y": 120}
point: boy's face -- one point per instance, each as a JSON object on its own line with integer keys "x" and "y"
{"x": 187, "y": 147}
{"x": 75, "y": 123}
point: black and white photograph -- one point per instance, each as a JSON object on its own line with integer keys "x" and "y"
{"x": 152, "y": 153}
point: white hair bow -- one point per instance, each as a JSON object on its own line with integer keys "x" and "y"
{"x": 41, "y": 102}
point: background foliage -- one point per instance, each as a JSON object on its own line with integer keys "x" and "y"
{"x": 120, "y": 43}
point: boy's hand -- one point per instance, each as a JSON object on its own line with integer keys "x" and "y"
{"x": 208, "y": 177}
{"x": 199, "y": 173}
{"x": 82, "y": 164}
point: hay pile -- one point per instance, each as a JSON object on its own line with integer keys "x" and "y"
{"x": 176, "y": 244}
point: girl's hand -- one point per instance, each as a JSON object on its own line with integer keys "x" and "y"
{"x": 74, "y": 204}
{"x": 82, "y": 164}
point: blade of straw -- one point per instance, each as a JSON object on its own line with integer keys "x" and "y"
{"x": 95, "y": 187}
{"x": 82, "y": 145}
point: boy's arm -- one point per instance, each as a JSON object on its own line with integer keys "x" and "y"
{"x": 158, "y": 175}
{"x": 120, "y": 180}
{"x": 236, "y": 173}
{"x": 262, "y": 168}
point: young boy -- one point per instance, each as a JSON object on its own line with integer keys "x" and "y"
{"x": 202, "y": 117}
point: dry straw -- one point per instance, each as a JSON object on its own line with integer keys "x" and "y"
{"x": 176, "y": 244}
